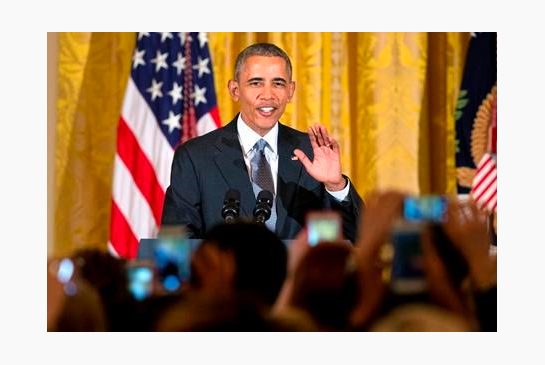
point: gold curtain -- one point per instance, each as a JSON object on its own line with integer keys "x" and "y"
{"x": 388, "y": 98}
{"x": 93, "y": 69}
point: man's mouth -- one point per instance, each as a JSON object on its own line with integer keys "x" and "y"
{"x": 266, "y": 110}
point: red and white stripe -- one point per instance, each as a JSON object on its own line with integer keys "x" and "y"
{"x": 141, "y": 173}
{"x": 484, "y": 186}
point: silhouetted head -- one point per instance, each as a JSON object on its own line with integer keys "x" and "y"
{"x": 259, "y": 257}
{"x": 325, "y": 284}
{"x": 107, "y": 274}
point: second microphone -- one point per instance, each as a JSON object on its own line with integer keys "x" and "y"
{"x": 263, "y": 206}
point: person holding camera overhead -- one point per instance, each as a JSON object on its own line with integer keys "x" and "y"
{"x": 255, "y": 153}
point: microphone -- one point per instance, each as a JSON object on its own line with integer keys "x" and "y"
{"x": 263, "y": 205}
{"x": 231, "y": 206}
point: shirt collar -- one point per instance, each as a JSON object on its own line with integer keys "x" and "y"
{"x": 248, "y": 137}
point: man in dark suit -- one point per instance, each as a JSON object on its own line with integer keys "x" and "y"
{"x": 255, "y": 152}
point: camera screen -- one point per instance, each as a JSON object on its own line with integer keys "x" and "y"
{"x": 407, "y": 274}
{"x": 140, "y": 280}
{"x": 430, "y": 208}
{"x": 173, "y": 260}
{"x": 322, "y": 229}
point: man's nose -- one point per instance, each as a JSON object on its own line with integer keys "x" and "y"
{"x": 267, "y": 92}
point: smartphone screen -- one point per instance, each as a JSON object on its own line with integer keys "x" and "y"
{"x": 173, "y": 260}
{"x": 426, "y": 208}
{"x": 64, "y": 270}
{"x": 323, "y": 226}
{"x": 140, "y": 280}
{"x": 407, "y": 275}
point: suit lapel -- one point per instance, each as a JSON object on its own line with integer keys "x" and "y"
{"x": 230, "y": 163}
{"x": 289, "y": 174}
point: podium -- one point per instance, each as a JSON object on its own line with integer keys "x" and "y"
{"x": 146, "y": 247}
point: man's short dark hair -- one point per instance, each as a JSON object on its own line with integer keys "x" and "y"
{"x": 260, "y": 258}
{"x": 262, "y": 49}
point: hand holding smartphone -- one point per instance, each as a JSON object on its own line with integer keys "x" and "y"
{"x": 172, "y": 256}
{"x": 407, "y": 271}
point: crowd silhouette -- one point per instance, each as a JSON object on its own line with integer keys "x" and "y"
{"x": 242, "y": 277}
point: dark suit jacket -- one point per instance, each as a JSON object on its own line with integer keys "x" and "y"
{"x": 205, "y": 167}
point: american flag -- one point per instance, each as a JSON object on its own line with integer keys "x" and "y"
{"x": 484, "y": 187}
{"x": 170, "y": 98}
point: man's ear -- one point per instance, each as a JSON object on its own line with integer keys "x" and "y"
{"x": 291, "y": 90}
{"x": 234, "y": 90}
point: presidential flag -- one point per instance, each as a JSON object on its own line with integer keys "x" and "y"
{"x": 170, "y": 98}
{"x": 474, "y": 107}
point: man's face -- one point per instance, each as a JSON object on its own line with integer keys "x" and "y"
{"x": 263, "y": 89}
